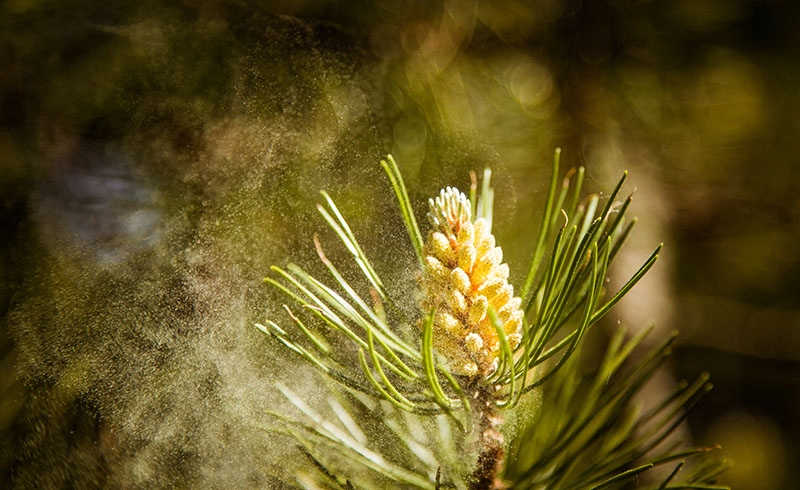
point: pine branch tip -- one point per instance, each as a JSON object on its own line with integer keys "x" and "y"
{"x": 566, "y": 286}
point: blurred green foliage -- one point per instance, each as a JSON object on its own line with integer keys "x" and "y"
{"x": 224, "y": 118}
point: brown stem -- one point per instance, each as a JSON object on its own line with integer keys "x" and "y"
{"x": 492, "y": 448}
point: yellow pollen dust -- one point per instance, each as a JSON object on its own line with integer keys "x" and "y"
{"x": 463, "y": 277}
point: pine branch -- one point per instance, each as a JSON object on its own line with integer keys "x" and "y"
{"x": 481, "y": 354}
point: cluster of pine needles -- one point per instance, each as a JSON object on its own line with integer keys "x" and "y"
{"x": 397, "y": 414}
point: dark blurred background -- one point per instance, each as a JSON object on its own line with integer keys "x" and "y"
{"x": 157, "y": 156}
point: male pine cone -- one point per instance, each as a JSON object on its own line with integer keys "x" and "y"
{"x": 464, "y": 276}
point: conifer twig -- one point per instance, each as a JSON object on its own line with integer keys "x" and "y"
{"x": 479, "y": 354}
